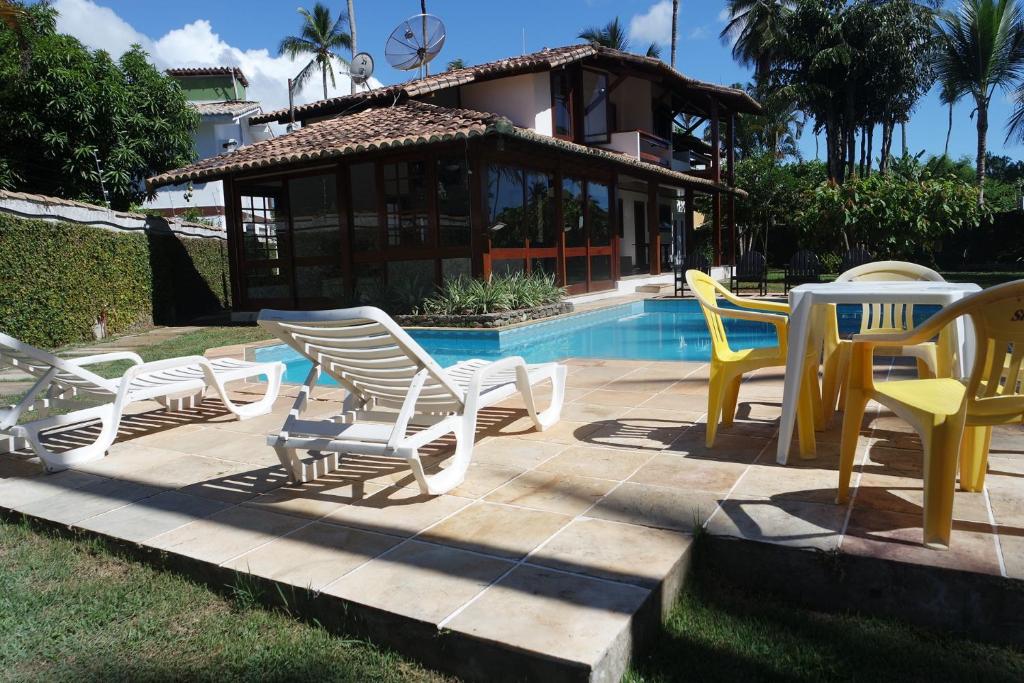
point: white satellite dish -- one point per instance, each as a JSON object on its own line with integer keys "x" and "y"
{"x": 361, "y": 67}
{"x": 415, "y": 42}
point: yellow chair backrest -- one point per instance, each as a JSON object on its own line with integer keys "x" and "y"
{"x": 706, "y": 289}
{"x": 887, "y": 318}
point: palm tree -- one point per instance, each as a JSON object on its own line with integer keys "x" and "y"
{"x": 321, "y": 37}
{"x": 352, "y": 31}
{"x": 457, "y": 63}
{"x": 755, "y": 30}
{"x": 675, "y": 24}
{"x": 982, "y": 49}
{"x": 612, "y": 35}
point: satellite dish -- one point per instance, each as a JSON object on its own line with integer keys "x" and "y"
{"x": 415, "y": 42}
{"x": 361, "y": 67}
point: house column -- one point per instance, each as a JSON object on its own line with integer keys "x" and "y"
{"x": 653, "y": 231}
{"x": 716, "y": 176}
{"x": 689, "y": 230}
{"x": 730, "y": 140}
{"x": 233, "y": 232}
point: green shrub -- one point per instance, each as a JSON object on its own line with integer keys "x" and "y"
{"x": 466, "y": 296}
{"x": 59, "y": 278}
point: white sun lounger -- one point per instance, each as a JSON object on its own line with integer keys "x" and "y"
{"x": 176, "y": 383}
{"x": 392, "y": 385}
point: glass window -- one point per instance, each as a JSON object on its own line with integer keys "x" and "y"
{"x": 600, "y": 268}
{"x": 317, "y": 285}
{"x": 508, "y": 267}
{"x": 453, "y": 201}
{"x": 454, "y": 268}
{"x": 595, "y": 106}
{"x": 410, "y": 282}
{"x": 405, "y": 203}
{"x": 369, "y": 283}
{"x": 572, "y": 212}
{"x": 505, "y": 206}
{"x": 598, "y": 200}
{"x": 365, "y": 222}
{"x": 547, "y": 266}
{"x": 314, "y": 207}
{"x": 267, "y": 282}
{"x": 561, "y": 102}
{"x": 540, "y": 209}
{"x": 264, "y": 224}
{"x": 575, "y": 270}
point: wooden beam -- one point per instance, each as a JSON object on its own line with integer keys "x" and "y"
{"x": 689, "y": 229}
{"x": 730, "y": 178}
{"x": 653, "y": 229}
{"x": 716, "y": 175}
{"x": 233, "y": 230}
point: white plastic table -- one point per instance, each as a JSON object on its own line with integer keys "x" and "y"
{"x": 803, "y": 300}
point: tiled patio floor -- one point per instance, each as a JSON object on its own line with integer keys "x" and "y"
{"x": 560, "y": 547}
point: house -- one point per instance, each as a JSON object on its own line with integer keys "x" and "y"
{"x": 218, "y": 94}
{"x": 563, "y": 161}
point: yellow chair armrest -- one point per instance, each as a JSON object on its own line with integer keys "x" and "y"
{"x": 770, "y": 306}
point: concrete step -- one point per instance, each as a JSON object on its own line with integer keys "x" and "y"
{"x": 663, "y": 288}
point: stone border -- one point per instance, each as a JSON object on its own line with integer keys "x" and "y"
{"x": 487, "y": 320}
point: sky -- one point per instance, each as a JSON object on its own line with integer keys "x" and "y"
{"x": 246, "y": 34}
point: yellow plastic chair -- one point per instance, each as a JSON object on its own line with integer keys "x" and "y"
{"x": 946, "y": 412}
{"x": 728, "y": 365}
{"x": 933, "y": 360}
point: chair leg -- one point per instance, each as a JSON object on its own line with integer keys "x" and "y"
{"x": 974, "y": 457}
{"x": 853, "y": 416}
{"x": 109, "y": 417}
{"x": 923, "y": 369}
{"x": 545, "y": 419}
{"x": 455, "y": 471}
{"x": 941, "y": 447}
{"x": 837, "y": 368}
{"x": 256, "y": 408}
{"x": 716, "y": 396}
{"x": 732, "y": 393}
{"x": 807, "y": 406}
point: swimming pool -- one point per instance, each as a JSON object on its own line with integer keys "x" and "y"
{"x": 655, "y": 329}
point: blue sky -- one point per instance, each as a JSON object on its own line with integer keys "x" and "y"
{"x": 198, "y": 32}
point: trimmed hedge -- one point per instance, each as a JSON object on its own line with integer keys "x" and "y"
{"x": 57, "y": 279}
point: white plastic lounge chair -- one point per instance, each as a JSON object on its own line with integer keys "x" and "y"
{"x": 382, "y": 367}
{"x": 176, "y": 383}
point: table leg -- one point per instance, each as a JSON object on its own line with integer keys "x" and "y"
{"x": 799, "y": 321}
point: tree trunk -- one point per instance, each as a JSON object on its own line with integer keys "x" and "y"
{"x": 675, "y": 22}
{"x": 903, "y": 133}
{"x": 871, "y": 147}
{"x": 352, "y": 32}
{"x": 323, "y": 73}
{"x": 949, "y": 131}
{"x": 982, "y": 147}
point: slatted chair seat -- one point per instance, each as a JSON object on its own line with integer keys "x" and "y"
{"x": 693, "y": 261}
{"x": 176, "y": 383}
{"x": 803, "y": 267}
{"x": 398, "y": 398}
{"x": 858, "y": 256}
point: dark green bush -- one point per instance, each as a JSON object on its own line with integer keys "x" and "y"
{"x": 57, "y": 279}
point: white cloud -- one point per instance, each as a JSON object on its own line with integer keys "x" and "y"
{"x": 195, "y": 44}
{"x": 724, "y": 15}
{"x": 653, "y": 27}
{"x": 698, "y": 33}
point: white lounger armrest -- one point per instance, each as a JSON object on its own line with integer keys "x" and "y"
{"x": 135, "y": 358}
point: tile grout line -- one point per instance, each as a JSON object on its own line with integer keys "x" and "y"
{"x": 995, "y": 532}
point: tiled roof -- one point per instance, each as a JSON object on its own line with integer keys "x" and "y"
{"x": 234, "y": 108}
{"x": 403, "y": 125}
{"x": 544, "y": 60}
{"x": 210, "y": 71}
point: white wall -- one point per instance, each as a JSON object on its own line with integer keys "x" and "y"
{"x": 524, "y": 99}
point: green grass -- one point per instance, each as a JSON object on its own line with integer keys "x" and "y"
{"x": 983, "y": 278}
{"x": 720, "y": 632}
{"x": 71, "y": 610}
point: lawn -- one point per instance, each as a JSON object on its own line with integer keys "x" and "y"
{"x": 73, "y": 609}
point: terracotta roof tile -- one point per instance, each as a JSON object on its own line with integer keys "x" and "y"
{"x": 549, "y": 58}
{"x": 407, "y": 124}
{"x": 234, "y": 108}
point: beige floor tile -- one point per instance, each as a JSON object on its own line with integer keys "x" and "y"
{"x": 1011, "y": 544}
{"x": 72, "y": 506}
{"x": 553, "y": 492}
{"x": 18, "y": 491}
{"x": 689, "y": 474}
{"x": 564, "y": 432}
{"x": 314, "y": 499}
{"x": 610, "y": 550}
{"x": 239, "y": 485}
{"x": 644, "y": 434}
{"x": 152, "y": 516}
{"x": 1008, "y": 510}
{"x": 675, "y": 401}
{"x": 728, "y": 447}
{"x": 563, "y": 615}
{"x": 126, "y": 460}
{"x": 616, "y": 397}
{"x": 420, "y": 580}
{"x": 784, "y": 522}
{"x": 315, "y": 555}
{"x": 678, "y": 418}
{"x": 251, "y": 449}
{"x": 898, "y": 537}
{"x": 397, "y": 511}
{"x": 782, "y": 482}
{"x": 592, "y": 412}
{"x": 226, "y": 534}
{"x": 481, "y": 479}
{"x": 506, "y": 450}
{"x": 499, "y": 530}
{"x": 591, "y": 461}
{"x": 657, "y": 506}
{"x": 905, "y": 495}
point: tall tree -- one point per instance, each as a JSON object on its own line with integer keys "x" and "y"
{"x": 982, "y": 51}
{"x": 321, "y": 37}
{"x": 675, "y": 30}
{"x": 755, "y": 29}
{"x": 614, "y": 36}
{"x": 352, "y": 32}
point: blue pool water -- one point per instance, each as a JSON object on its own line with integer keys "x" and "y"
{"x": 669, "y": 329}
